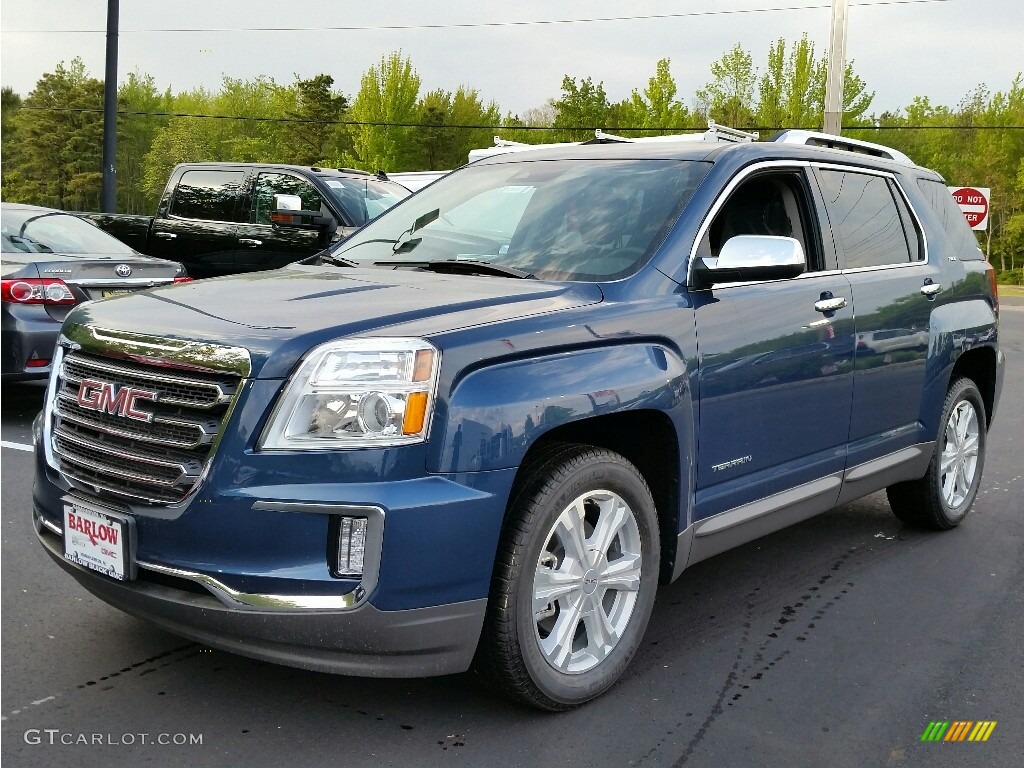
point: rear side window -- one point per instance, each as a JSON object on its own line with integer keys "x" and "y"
{"x": 961, "y": 238}
{"x": 208, "y": 195}
{"x": 866, "y": 220}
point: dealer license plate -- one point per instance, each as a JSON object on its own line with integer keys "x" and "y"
{"x": 116, "y": 292}
{"x": 97, "y": 540}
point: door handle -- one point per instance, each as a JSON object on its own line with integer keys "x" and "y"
{"x": 165, "y": 235}
{"x": 930, "y": 289}
{"x": 830, "y": 305}
{"x": 249, "y": 241}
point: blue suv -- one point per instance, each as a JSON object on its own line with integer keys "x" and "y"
{"x": 483, "y": 429}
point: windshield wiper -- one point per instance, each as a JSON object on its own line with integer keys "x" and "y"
{"x": 406, "y": 242}
{"x": 326, "y": 257}
{"x": 473, "y": 267}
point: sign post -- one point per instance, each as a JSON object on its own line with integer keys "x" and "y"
{"x": 974, "y": 202}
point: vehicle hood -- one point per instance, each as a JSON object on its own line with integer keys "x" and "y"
{"x": 279, "y": 315}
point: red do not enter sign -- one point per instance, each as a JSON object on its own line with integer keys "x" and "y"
{"x": 974, "y": 202}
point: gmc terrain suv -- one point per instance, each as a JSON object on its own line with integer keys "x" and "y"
{"x": 486, "y": 426}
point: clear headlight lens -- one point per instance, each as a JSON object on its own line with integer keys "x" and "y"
{"x": 359, "y": 393}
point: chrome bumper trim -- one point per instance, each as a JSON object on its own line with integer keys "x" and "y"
{"x": 247, "y": 601}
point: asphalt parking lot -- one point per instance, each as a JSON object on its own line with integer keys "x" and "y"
{"x": 835, "y": 642}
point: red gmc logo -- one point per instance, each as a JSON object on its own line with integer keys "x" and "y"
{"x": 117, "y": 401}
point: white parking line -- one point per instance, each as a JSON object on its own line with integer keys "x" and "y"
{"x": 16, "y": 446}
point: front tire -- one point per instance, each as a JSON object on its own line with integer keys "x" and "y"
{"x": 942, "y": 498}
{"x": 575, "y": 579}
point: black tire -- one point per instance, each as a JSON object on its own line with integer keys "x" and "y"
{"x": 941, "y": 499}
{"x": 568, "y": 483}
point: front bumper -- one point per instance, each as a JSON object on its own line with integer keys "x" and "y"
{"x": 360, "y": 640}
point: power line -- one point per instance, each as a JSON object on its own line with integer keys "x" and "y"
{"x": 511, "y": 126}
{"x": 477, "y": 25}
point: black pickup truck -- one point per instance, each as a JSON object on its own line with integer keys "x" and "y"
{"x": 222, "y": 218}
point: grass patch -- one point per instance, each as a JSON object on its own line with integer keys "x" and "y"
{"x": 1011, "y": 290}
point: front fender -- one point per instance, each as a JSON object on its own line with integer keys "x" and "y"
{"x": 495, "y": 414}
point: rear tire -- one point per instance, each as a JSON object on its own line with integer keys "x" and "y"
{"x": 575, "y": 579}
{"x": 942, "y": 498}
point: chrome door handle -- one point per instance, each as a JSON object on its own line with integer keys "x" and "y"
{"x": 830, "y": 305}
{"x": 165, "y": 235}
{"x": 930, "y": 289}
{"x": 249, "y": 241}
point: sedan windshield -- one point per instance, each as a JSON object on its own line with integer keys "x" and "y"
{"x": 589, "y": 220}
{"x": 35, "y": 231}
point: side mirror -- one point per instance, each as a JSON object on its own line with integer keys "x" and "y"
{"x": 288, "y": 212}
{"x": 287, "y": 203}
{"x": 755, "y": 257}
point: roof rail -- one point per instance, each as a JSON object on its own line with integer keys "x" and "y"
{"x": 718, "y": 132}
{"x": 714, "y": 132}
{"x": 815, "y": 139}
{"x": 500, "y": 142}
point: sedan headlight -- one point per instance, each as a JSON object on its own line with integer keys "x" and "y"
{"x": 360, "y": 393}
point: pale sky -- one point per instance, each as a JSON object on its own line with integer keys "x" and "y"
{"x": 902, "y": 48}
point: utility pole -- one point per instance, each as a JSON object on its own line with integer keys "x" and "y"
{"x": 108, "y": 198}
{"x": 836, "y": 69}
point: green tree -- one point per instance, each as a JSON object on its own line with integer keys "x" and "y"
{"x": 446, "y": 137}
{"x": 135, "y": 134}
{"x": 433, "y": 140}
{"x": 729, "y": 97}
{"x": 60, "y": 139}
{"x": 10, "y": 103}
{"x": 387, "y": 99}
{"x": 773, "y": 89}
{"x": 657, "y": 108}
{"x": 317, "y": 139}
{"x": 791, "y": 90}
{"x": 581, "y": 109}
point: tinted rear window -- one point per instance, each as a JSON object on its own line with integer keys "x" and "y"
{"x": 961, "y": 238}
{"x": 863, "y": 212}
{"x": 209, "y": 195}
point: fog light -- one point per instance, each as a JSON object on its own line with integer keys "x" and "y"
{"x": 351, "y": 546}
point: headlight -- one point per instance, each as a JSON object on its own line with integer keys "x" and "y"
{"x": 361, "y": 393}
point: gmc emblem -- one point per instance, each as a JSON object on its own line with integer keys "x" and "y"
{"x": 117, "y": 401}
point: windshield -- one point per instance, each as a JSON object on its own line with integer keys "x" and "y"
{"x": 35, "y": 231}
{"x": 590, "y": 220}
{"x": 364, "y": 199}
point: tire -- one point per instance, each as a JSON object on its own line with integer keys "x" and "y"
{"x": 942, "y": 498}
{"x": 569, "y": 603}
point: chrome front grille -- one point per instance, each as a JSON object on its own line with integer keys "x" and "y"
{"x": 155, "y": 453}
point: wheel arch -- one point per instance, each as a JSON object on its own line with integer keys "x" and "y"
{"x": 979, "y": 365}
{"x": 648, "y": 440}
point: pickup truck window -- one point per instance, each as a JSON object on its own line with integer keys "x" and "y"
{"x": 208, "y": 195}
{"x": 865, "y": 216}
{"x": 270, "y": 184}
{"x": 557, "y": 220}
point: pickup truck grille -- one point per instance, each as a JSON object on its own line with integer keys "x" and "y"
{"x": 137, "y": 430}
